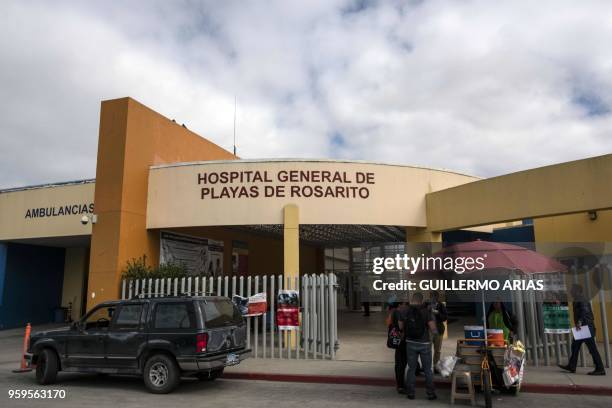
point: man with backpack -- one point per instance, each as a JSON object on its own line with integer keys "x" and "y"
{"x": 415, "y": 321}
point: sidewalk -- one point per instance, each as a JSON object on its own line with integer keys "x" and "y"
{"x": 540, "y": 380}
{"x": 363, "y": 358}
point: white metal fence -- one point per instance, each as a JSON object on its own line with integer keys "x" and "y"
{"x": 317, "y": 336}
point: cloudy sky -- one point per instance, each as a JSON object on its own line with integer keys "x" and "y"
{"x": 480, "y": 87}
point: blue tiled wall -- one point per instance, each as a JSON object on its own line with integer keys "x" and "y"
{"x": 31, "y": 282}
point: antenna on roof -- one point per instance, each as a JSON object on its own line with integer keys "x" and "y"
{"x": 235, "y": 125}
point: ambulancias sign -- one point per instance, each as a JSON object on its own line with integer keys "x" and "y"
{"x": 57, "y": 211}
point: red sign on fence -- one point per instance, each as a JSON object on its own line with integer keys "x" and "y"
{"x": 288, "y": 311}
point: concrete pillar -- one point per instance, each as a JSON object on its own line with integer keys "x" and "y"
{"x": 75, "y": 273}
{"x": 291, "y": 252}
{"x": 291, "y": 238}
{"x": 132, "y": 138}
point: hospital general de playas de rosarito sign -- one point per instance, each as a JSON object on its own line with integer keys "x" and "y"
{"x": 215, "y": 185}
{"x": 253, "y": 192}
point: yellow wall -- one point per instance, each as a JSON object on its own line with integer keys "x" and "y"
{"x": 132, "y": 138}
{"x": 564, "y": 188}
{"x": 574, "y": 228}
{"x": 75, "y": 272}
{"x": 576, "y": 235}
{"x": 14, "y": 206}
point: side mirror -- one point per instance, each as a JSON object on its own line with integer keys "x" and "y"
{"x": 76, "y": 326}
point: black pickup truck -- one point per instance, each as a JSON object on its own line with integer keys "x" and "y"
{"x": 161, "y": 339}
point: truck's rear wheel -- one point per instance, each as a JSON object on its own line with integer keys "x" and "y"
{"x": 161, "y": 374}
{"x": 47, "y": 367}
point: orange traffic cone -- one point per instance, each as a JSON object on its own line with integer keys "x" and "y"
{"x": 26, "y": 340}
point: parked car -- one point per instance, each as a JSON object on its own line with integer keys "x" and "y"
{"x": 160, "y": 339}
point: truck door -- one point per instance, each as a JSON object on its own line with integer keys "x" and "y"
{"x": 126, "y": 336}
{"x": 85, "y": 345}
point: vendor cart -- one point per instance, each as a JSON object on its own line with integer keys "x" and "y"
{"x": 493, "y": 365}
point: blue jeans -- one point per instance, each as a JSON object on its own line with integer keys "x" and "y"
{"x": 413, "y": 351}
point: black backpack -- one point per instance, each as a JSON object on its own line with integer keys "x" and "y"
{"x": 414, "y": 325}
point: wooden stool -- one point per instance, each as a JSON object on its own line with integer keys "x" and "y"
{"x": 462, "y": 371}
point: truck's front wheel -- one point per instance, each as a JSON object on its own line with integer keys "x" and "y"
{"x": 47, "y": 367}
{"x": 161, "y": 374}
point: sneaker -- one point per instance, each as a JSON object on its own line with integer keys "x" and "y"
{"x": 400, "y": 390}
{"x": 432, "y": 397}
{"x": 567, "y": 368}
{"x": 598, "y": 372}
{"x": 410, "y": 396}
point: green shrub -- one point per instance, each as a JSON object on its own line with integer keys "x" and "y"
{"x": 137, "y": 268}
{"x": 170, "y": 270}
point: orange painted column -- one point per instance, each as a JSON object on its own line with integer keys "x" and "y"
{"x": 132, "y": 138}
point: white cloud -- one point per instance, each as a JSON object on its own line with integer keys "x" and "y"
{"x": 480, "y": 87}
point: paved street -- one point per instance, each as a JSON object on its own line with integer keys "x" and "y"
{"x": 94, "y": 391}
{"x": 125, "y": 392}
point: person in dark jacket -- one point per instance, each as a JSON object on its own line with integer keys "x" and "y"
{"x": 583, "y": 316}
{"x": 395, "y": 310}
{"x": 416, "y": 323}
{"x": 439, "y": 311}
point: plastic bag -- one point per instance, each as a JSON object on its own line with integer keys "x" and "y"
{"x": 257, "y": 304}
{"x": 514, "y": 364}
{"x": 446, "y": 365}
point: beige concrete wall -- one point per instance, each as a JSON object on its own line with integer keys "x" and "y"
{"x": 20, "y": 211}
{"x": 564, "y": 188}
{"x": 396, "y": 195}
{"x": 75, "y": 272}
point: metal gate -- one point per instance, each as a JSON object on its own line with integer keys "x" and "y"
{"x": 552, "y": 348}
{"x": 317, "y": 336}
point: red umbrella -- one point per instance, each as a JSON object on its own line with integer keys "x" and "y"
{"x": 498, "y": 255}
{"x": 501, "y": 257}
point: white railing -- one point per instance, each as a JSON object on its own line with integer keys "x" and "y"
{"x": 317, "y": 336}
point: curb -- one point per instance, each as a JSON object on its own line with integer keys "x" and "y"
{"x": 387, "y": 382}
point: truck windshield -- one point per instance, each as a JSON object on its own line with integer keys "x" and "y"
{"x": 220, "y": 313}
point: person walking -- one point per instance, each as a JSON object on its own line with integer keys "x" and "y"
{"x": 440, "y": 314}
{"x": 583, "y": 316}
{"x": 415, "y": 320}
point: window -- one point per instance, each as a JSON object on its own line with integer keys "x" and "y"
{"x": 100, "y": 318}
{"x": 173, "y": 316}
{"x": 129, "y": 316}
{"x": 219, "y": 313}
